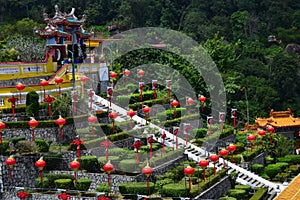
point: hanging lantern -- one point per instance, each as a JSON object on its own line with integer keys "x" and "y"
{"x": 110, "y": 94}
{"x": 137, "y": 145}
{"x": 77, "y": 142}
{"x": 141, "y": 87}
{"x": 10, "y": 161}
{"x": 189, "y": 171}
{"x": 154, "y": 87}
{"x": 83, "y": 80}
{"x": 60, "y": 122}
{"x": 175, "y": 133}
{"x": 126, "y": 73}
{"x": 163, "y": 137}
{"x": 147, "y": 171}
{"x": 146, "y": 110}
{"x": 231, "y": 148}
{"x": 203, "y": 164}
{"x": 150, "y": 141}
{"x": 113, "y": 115}
{"x": 74, "y": 100}
{"x": 189, "y": 102}
{"x": 92, "y": 119}
{"x": 43, "y": 84}
{"x": 2, "y": 126}
{"x": 108, "y": 167}
{"x": 49, "y": 99}
{"x": 131, "y": 114}
{"x": 40, "y": 164}
{"x": 270, "y": 129}
{"x": 103, "y": 197}
{"x": 261, "y": 134}
{"x": 13, "y": 101}
{"x": 91, "y": 94}
{"x": 106, "y": 143}
{"x": 251, "y": 139}
{"x": 20, "y": 87}
{"x": 202, "y": 99}
{"x": 22, "y": 195}
{"x": 59, "y": 81}
{"x": 174, "y": 104}
{"x": 223, "y": 153}
{"x": 214, "y": 158}
{"x": 33, "y": 124}
{"x": 74, "y": 165}
{"x": 140, "y": 74}
{"x": 168, "y": 86}
{"x": 113, "y": 76}
{"x": 64, "y": 196}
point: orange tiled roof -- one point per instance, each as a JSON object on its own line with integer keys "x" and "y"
{"x": 291, "y": 192}
{"x": 279, "y": 119}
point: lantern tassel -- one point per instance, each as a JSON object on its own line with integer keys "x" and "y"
{"x": 141, "y": 96}
{"x": 93, "y": 132}
{"x": 176, "y": 142}
{"x": 60, "y": 134}
{"x": 137, "y": 157}
{"x": 224, "y": 165}
{"x": 13, "y": 110}
{"x": 154, "y": 93}
{"x": 108, "y": 180}
{"x": 234, "y": 121}
{"x": 49, "y": 109}
{"x": 204, "y": 177}
{"x": 190, "y": 185}
{"x": 146, "y": 118}
{"x": 20, "y": 98}
{"x": 78, "y": 152}
{"x": 163, "y": 146}
{"x": 41, "y": 176}
{"x": 150, "y": 150}
{"x": 106, "y": 154}
{"x": 202, "y": 107}
{"x": 74, "y": 107}
{"x": 214, "y": 168}
{"x": 44, "y": 93}
{"x": 174, "y": 112}
{"x": 113, "y": 126}
{"x": 148, "y": 185}
{"x": 32, "y": 135}
{"x": 59, "y": 92}
{"x": 131, "y": 123}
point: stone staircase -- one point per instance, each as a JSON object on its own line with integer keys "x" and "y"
{"x": 193, "y": 152}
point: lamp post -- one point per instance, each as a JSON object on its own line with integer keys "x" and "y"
{"x": 10, "y": 161}
{"x": 141, "y": 87}
{"x": 40, "y": 164}
{"x": 154, "y": 87}
{"x": 231, "y": 148}
{"x": 73, "y": 67}
{"x": 33, "y": 123}
{"x": 146, "y": 110}
{"x": 168, "y": 86}
{"x": 203, "y": 164}
{"x": 251, "y": 139}
{"x": 175, "y": 133}
{"x": 74, "y": 99}
{"x": 223, "y": 153}
{"x": 233, "y": 115}
{"x": 186, "y": 128}
{"x": 113, "y": 115}
{"x": 202, "y": 100}
{"x": 13, "y": 101}
{"x": 2, "y": 126}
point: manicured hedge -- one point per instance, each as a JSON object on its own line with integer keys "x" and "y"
{"x": 103, "y": 187}
{"x": 295, "y": 169}
{"x": 257, "y": 168}
{"x": 53, "y": 160}
{"x": 15, "y": 140}
{"x": 83, "y": 184}
{"x": 272, "y": 170}
{"x": 43, "y": 184}
{"x": 53, "y": 177}
{"x": 175, "y": 190}
{"x": 282, "y": 165}
{"x": 236, "y": 193}
{"x": 43, "y": 145}
{"x": 88, "y": 163}
{"x": 136, "y": 188}
{"x": 247, "y": 188}
{"x": 4, "y": 146}
{"x": 149, "y": 103}
{"x": 169, "y": 114}
{"x": 200, "y": 132}
{"x": 295, "y": 159}
{"x": 63, "y": 183}
{"x": 260, "y": 194}
{"x": 248, "y": 156}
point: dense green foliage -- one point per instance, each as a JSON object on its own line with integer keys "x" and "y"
{"x": 88, "y": 163}
{"x": 136, "y": 188}
{"x": 83, "y": 184}
{"x": 32, "y": 104}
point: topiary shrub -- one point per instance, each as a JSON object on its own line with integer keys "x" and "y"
{"x": 63, "y": 183}
{"x": 160, "y": 183}
{"x": 83, "y": 184}
{"x": 257, "y": 168}
{"x": 53, "y": 160}
{"x": 103, "y": 187}
{"x": 174, "y": 190}
{"x": 53, "y": 177}
{"x": 32, "y": 104}
{"x": 284, "y": 159}
{"x": 42, "y": 145}
{"x": 136, "y": 188}
{"x": 282, "y": 165}
{"x": 295, "y": 159}
{"x": 15, "y": 140}
{"x": 4, "y": 146}
{"x": 236, "y": 193}
{"x": 272, "y": 170}
{"x": 247, "y": 188}
{"x": 88, "y": 163}
{"x": 295, "y": 169}
{"x": 43, "y": 184}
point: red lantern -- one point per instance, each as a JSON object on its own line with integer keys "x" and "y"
{"x": 231, "y": 148}
{"x": 74, "y": 98}
{"x": 147, "y": 171}
{"x": 113, "y": 115}
{"x": 261, "y": 134}
{"x": 2, "y": 126}
{"x": 13, "y": 101}
{"x": 22, "y": 194}
{"x": 60, "y": 122}
{"x": 113, "y": 76}
{"x": 106, "y": 143}
{"x": 270, "y": 129}
{"x": 49, "y": 99}
{"x": 20, "y": 87}
{"x": 64, "y": 196}
{"x": 83, "y": 80}
{"x": 102, "y": 197}
{"x": 74, "y": 165}
{"x": 203, "y": 164}
{"x": 251, "y": 139}
{"x": 110, "y": 94}
{"x": 202, "y": 99}
{"x": 150, "y": 141}
{"x": 163, "y": 137}
{"x": 146, "y": 110}
{"x": 33, "y": 123}
{"x": 108, "y": 167}
{"x": 137, "y": 145}
{"x": 223, "y": 153}
{"x": 40, "y": 164}
{"x": 126, "y": 73}
{"x": 91, "y": 94}
{"x": 175, "y": 104}
{"x": 189, "y": 171}
{"x": 189, "y": 102}
{"x": 154, "y": 86}
{"x": 58, "y": 81}
{"x": 131, "y": 114}
{"x": 141, "y": 73}
{"x": 92, "y": 119}
{"x": 77, "y": 142}
{"x": 44, "y": 83}
{"x": 10, "y": 161}
{"x": 214, "y": 158}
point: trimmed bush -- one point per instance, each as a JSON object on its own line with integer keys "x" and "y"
{"x": 160, "y": 183}
{"x": 42, "y": 145}
{"x": 15, "y": 140}
{"x": 83, "y": 184}
{"x": 284, "y": 159}
{"x": 243, "y": 187}
{"x": 174, "y": 190}
{"x": 136, "y": 188}
{"x": 236, "y": 193}
{"x": 63, "y": 183}
{"x": 53, "y": 160}
{"x": 88, "y": 163}
{"x": 26, "y": 146}
{"x": 282, "y": 165}
{"x": 272, "y": 170}
{"x": 103, "y": 187}
{"x": 200, "y": 133}
{"x": 295, "y": 169}
{"x": 4, "y": 146}
{"x": 295, "y": 159}
{"x": 44, "y": 184}
{"x": 257, "y": 168}
{"x": 53, "y": 177}
{"x": 260, "y": 194}
{"x": 32, "y": 104}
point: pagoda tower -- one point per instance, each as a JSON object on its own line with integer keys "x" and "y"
{"x": 64, "y": 34}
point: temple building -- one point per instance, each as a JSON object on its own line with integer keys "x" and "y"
{"x": 64, "y": 34}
